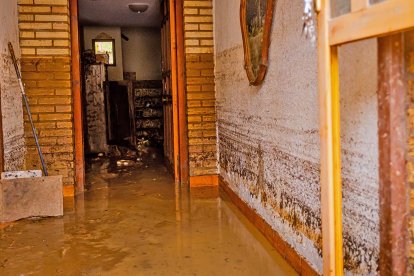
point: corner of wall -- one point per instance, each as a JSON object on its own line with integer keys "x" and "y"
{"x": 14, "y": 145}
{"x": 200, "y": 86}
{"x": 46, "y": 68}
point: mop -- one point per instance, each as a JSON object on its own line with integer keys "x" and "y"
{"x": 26, "y": 102}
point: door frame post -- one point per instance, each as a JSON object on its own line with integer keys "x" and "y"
{"x": 77, "y": 99}
{"x": 392, "y": 135}
{"x": 174, "y": 90}
{"x": 178, "y": 93}
{"x": 182, "y": 96}
{"x": 330, "y": 139}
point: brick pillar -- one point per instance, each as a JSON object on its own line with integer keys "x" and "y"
{"x": 199, "y": 64}
{"x": 45, "y": 44}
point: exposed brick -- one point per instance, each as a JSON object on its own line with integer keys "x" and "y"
{"x": 34, "y": 9}
{"x": 198, "y": 33}
{"x": 51, "y": 2}
{"x": 45, "y": 43}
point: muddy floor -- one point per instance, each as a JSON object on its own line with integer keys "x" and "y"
{"x": 132, "y": 220}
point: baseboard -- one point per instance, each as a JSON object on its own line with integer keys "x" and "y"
{"x": 69, "y": 191}
{"x": 204, "y": 181}
{"x": 284, "y": 249}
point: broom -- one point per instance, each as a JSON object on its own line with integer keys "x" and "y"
{"x": 26, "y": 102}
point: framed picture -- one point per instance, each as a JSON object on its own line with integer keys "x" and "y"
{"x": 256, "y": 18}
{"x": 105, "y": 51}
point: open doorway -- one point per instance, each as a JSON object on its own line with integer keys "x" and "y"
{"x": 129, "y": 82}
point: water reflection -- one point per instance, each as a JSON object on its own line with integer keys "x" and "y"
{"x": 135, "y": 222}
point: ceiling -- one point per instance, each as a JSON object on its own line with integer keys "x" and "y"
{"x": 117, "y": 13}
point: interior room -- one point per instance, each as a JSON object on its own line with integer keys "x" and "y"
{"x": 207, "y": 137}
{"x": 124, "y": 93}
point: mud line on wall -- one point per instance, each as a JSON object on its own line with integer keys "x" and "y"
{"x": 242, "y": 155}
{"x": 12, "y": 117}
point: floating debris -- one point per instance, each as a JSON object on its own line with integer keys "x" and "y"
{"x": 125, "y": 163}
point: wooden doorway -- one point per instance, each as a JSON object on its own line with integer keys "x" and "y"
{"x": 167, "y": 97}
{"x": 175, "y": 95}
{"x": 365, "y": 19}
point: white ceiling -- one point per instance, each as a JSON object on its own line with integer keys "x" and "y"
{"x": 117, "y": 13}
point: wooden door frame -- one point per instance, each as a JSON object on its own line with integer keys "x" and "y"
{"x": 181, "y": 163}
{"x": 181, "y": 171}
{"x": 393, "y": 139}
{"x": 364, "y": 21}
{"x": 182, "y": 97}
{"x": 77, "y": 98}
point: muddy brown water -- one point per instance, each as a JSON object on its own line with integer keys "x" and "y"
{"x": 134, "y": 221}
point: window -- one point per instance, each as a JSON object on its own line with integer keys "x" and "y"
{"x": 105, "y": 51}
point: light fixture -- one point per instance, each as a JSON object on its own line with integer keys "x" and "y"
{"x": 138, "y": 7}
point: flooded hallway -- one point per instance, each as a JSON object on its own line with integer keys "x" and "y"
{"x": 135, "y": 222}
{"x": 207, "y": 137}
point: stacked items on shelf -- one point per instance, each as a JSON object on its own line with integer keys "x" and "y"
{"x": 149, "y": 111}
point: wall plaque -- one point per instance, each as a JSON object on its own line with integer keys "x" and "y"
{"x": 256, "y": 18}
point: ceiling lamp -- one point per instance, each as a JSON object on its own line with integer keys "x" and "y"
{"x": 138, "y": 8}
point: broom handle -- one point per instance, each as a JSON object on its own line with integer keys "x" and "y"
{"x": 26, "y": 103}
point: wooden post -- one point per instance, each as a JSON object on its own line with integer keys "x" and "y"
{"x": 331, "y": 192}
{"x": 174, "y": 87}
{"x": 77, "y": 99}
{"x": 182, "y": 97}
{"x": 1, "y": 139}
{"x": 392, "y": 156}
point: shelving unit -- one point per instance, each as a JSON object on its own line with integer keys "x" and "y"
{"x": 149, "y": 111}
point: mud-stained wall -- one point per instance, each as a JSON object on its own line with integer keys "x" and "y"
{"x": 359, "y": 137}
{"x": 46, "y": 70}
{"x": 268, "y": 136}
{"x": 11, "y": 100}
{"x": 200, "y": 89}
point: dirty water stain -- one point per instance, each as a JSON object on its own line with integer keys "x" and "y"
{"x": 244, "y": 159}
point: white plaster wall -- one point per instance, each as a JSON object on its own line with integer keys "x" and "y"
{"x": 142, "y": 53}
{"x": 115, "y": 73}
{"x": 11, "y": 100}
{"x": 269, "y": 135}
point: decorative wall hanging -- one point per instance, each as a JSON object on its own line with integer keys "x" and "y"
{"x": 105, "y": 51}
{"x": 256, "y": 17}
{"x": 309, "y": 20}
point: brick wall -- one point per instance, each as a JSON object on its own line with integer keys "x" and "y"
{"x": 45, "y": 45}
{"x": 409, "y": 52}
{"x": 199, "y": 54}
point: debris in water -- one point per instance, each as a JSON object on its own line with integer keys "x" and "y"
{"x": 124, "y": 163}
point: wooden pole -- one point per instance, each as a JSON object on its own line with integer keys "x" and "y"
{"x": 1, "y": 138}
{"x": 77, "y": 100}
{"x": 392, "y": 137}
{"x": 331, "y": 195}
{"x": 174, "y": 79}
{"x": 182, "y": 97}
